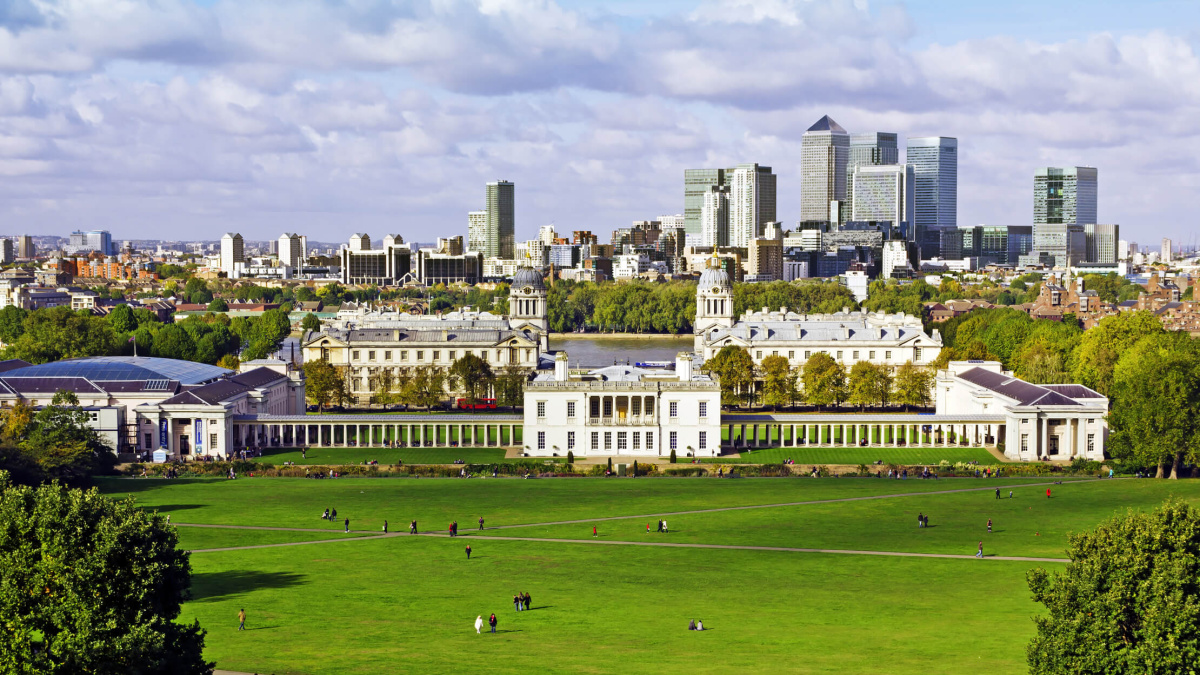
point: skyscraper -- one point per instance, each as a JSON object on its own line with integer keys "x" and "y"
{"x": 868, "y": 149}
{"x": 935, "y": 172}
{"x": 232, "y": 256}
{"x": 697, "y": 183}
{"x": 1065, "y": 195}
{"x": 1102, "y": 243}
{"x": 824, "y": 155}
{"x": 1167, "y": 247}
{"x": 291, "y": 250}
{"x": 751, "y": 202}
{"x": 477, "y": 222}
{"x": 714, "y": 216}
{"x": 25, "y": 247}
{"x": 493, "y": 230}
{"x": 883, "y": 193}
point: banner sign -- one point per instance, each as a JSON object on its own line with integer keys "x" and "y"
{"x": 199, "y": 433}
{"x": 162, "y": 434}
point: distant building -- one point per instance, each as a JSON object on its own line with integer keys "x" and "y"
{"x": 1064, "y": 195}
{"x": 26, "y": 247}
{"x": 884, "y": 193}
{"x": 765, "y": 261}
{"x": 935, "y": 172}
{"x": 869, "y": 149}
{"x": 492, "y": 232}
{"x": 7, "y": 251}
{"x": 99, "y": 241}
{"x": 233, "y": 256}
{"x": 1167, "y": 251}
{"x": 1101, "y": 243}
{"x": 751, "y": 202}
{"x": 824, "y": 156}
{"x": 697, "y": 184}
{"x": 714, "y": 217}
{"x": 291, "y": 250}
{"x": 390, "y": 265}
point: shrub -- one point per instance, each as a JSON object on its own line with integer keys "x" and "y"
{"x": 570, "y": 457}
{"x": 673, "y": 460}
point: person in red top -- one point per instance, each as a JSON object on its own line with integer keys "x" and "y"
{"x": 594, "y": 531}
{"x": 1047, "y": 493}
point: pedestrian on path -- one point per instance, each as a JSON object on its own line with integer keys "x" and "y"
{"x": 481, "y": 523}
{"x": 385, "y": 527}
{"x": 478, "y": 624}
{"x": 412, "y": 527}
{"x": 989, "y": 525}
{"x": 242, "y": 619}
{"x": 920, "y": 520}
{"x": 492, "y": 622}
{"x": 347, "y": 524}
{"x": 997, "y": 493}
{"x": 468, "y": 551}
{"x": 594, "y": 531}
{"x": 979, "y": 553}
{"x": 666, "y": 530}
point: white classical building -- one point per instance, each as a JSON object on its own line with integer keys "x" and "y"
{"x": 622, "y": 410}
{"x": 1041, "y": 421}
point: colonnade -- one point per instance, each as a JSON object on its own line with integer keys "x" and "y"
{"x": 393, "y": 432}
{"x": 867, "y": 434}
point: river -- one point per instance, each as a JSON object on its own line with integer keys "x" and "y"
{"x": 597, "y": 350}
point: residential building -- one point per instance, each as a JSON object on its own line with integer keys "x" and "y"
{"x": 391, "y": 265}
{"x": 629, "y": 266}
{"x": 492, "y": 232}
{"x": 477, "y": 232}
{"x": 1064, "y": 195}
{"x": 884, "y": 193}
{"x": 291, "y": 250}
{"x": 765, "y": 260}
{"x": 233, "y": 257}
{"x": 697, "y": 184}
{"x": 1167, "y": 251}
{"x": 98, "y": 241}
{"x": 751, "y": 202}
{"x": 8, "y": 251}
{"x": 714, "y": 217}
{"x": 895, "y": 258}
{"x": 26, "y": 247}
{"x": 824, "y": 156}
{"x": 623, "y": 411}
{"x": 935, "y": 172}
{"x": 1101, "y": 243}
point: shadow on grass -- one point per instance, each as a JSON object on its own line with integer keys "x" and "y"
{"x": 214, "y": 586}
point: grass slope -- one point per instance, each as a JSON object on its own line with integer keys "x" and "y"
{"x": 196, "y": 538}
{"x": 855, "y": 456}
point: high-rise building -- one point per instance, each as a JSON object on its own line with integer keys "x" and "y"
{"x": 751, "y": 202}
{"x": 1166, "y": 250}
{"x": 895, "y": 257}
{"x": 714, "y": 217}
{"x": 1064, "y": 195}
{"x": 387, "y": 266}
{"x": 824, "y": 155}
{"x": 492, "y": 231}
{"x": 673, "y": 222}
{"x": 232, "y": 255}
{"x": 547, "y": 235}
{"x": 7, "y": 251}
{"x": 87, "y": 242}
{"x": 697, "y": 183}
{"x": 25, "y": 247}
{"x": 884, "y": 193}
{"x": 477, "y": 222}
{"x": 1065, "y": 243}
{"x": 291, "y": 250}
{"x": 1102, "y": 243}
{"x": 868, "y": 149}
{"x": 935, "y": 172}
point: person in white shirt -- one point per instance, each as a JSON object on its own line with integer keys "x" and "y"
{"x": 478, "y": 623}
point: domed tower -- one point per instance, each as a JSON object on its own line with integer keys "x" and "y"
{"x": 714, "y": 298}
{"x": 527, "y": 300}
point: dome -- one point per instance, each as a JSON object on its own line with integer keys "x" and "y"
{"x": 715, "y": 278}
{"x": 527, "y": 276}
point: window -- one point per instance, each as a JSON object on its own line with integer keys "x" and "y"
{"x": 354, "y": 355}
{"x": 387, "y": 356}
{"x": 807, "y": 355}
{"x": 595, "y": 439}
{"x": 758, "y": 355}
{"x": 570, "y": 408}
{"x": 149, "y": 442}
{"x": 1091, "y": 443}
{"x": 637, "y": 440}
{"x": 916, "y": 354}
{"x": 839, "y": 355}
{"x": 635, "y": 406}
{"x": 674, "y": 440}
{"x": 1090, "y": 421}
{"x": 212, "y": 442}
{"x": 674, "y": 409}
{"x": 607, "y": 406}
{"x": 622, "y": 440}
{"x": 703, "y": 409}
{"x": 871, "y": 355}
{"x": 887, "y": 355}
{"x": 403, "y": 355}
{"x": 791, "y": 355}
{"x": 855, "y": 355}
{"x": 570, "y": 440}
{"x": 775, "y": 353}
{"x": 703, "y": 440}
{"x": 649, "y": 440}
{"x": 420, "y": 355}
{"x": 541, "y": 440}
{"x": 483, "y": 354}
{"x": 371, "y": 355}
{"x": 1024, "y": 443}
{"x": 608, "y": 440}
{"x": 541, "y": 408}
{"x": 436, "y": 355}
{"x": 451, "y": 354}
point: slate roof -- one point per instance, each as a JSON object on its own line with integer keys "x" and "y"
{"x": 431, "y": 334}
{"x": 258, "y": 377}
{"x": 13, "y": 364}
{"x": 814, "y": 331}
{"x": 826, "y": 123}
{"x": 1025, "y": 393}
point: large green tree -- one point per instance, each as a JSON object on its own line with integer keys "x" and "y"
{"x": 1101, "y": 347}
{"x": 869, "y": 384}
{"x": 824, "y": 380}
{"x": 58, "y": 333}
{"x": 91, "y": 585}
{"x": 310, "y": 322}
{"x": 323, "y": 382}
{"x": 1128, "y": 602}
{"x": 735, "y": 370}
{"x": 471, "y": 376}
{"x": 510, "y": 386}
{"x": 779, "y": 381}
{"x": 913, "y": 385}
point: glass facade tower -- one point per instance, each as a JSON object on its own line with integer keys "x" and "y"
{"x": 935, "y": 167}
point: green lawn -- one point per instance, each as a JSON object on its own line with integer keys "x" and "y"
{"x": 331, "y": 456}
{"x": 406, "y": 604}
{"x": 855, "y": 456}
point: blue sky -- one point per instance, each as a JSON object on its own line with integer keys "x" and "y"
{"x": 192, "y": 118}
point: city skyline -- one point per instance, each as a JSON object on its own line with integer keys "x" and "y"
{"x": 187, "y": 116}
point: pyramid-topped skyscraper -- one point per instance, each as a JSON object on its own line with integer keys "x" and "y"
{"x": 824, "y": 154}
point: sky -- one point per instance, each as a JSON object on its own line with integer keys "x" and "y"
{"x": 185, "y": 119}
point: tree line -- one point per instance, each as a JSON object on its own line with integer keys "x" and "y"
{"x": 425, "y": 386}
{"x": 821, "y": 381}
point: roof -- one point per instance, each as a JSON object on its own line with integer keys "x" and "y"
{"x": 13, "y": 364}
{"x": 49, "y": 385}
{"x": 826, "y": 123}
{"x": 794, "y": 330}
{"x": 1023, "y": 392}
{"x": 258, "y": 377}
{"x": 125, "y": 368}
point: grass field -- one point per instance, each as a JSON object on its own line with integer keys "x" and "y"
{"x": 331, "y": 456}
{"x": 855, "y": 456}
{"x": 406, "y": 604}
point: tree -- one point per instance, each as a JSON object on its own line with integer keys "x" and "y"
{"x": 913, "y": 385}
{"x": 510, "y": 386}
{"x": 779, "y": 381}
{"x": 174, "y": 342}
{"x": 218, "y": 305}
{"x": 12, "y": 320}
{"x": 869, "y": 384}
{"x": 383, "y": 384}
{"x": 735, "y": 371}
{"x": 64, "y": 397}
{"x": 229, "y": 361}
{"x": 674, "y": 459}
{"x": 122, "y": 320}
{"x": 824, "y": 380}
{"x": 91, "y": 585}
{"x": 63, "y": 444}
{"x": 310, "y": 322}
{"x": 426, "y": 386}
{"x": 1101, "y": 347}
{"x": 1155, "y": 402}
{"x": 323, "y": 382}
{"x": 472, "y": 376}
{"x": 58, "y": 333}
{"x": 1128, "y": 602}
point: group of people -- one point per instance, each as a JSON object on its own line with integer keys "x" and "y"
{"x": 479, "y": 623}
{"x": 453, "y": 529}
{"x": 696, "y": 624}
{"x": 922, "y": 520}
{"x": 521, "y": 601}
{"x": 662, "y": 527}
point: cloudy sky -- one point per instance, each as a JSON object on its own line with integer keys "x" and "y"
{"x": 188, "y": 118}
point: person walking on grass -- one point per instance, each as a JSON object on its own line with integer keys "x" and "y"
{"x": 997, "y": 493}
{"x": 480, "y": 523}
{"x": 478, "y": 624}
{"x": 666, "y": 530}
{"x": 528, "y": 601}
{"x": 492, "y": 622}
{"x": 989, "y": 525}
{"x": 517, "y": 603}
{"x": 979, "y": 553}
{"x": 1047, "y": 493}
{"x": 920, "y": 520}
{"x": 347, "y": 525}
{"x": 332, "y": 515}
{"x": 468, "y": 551}
{"x": 242, "y": 619}
{"x": 385, "y": 527}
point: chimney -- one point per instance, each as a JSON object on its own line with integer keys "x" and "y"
{"x": 683, "y": 366}
{"x": 560, "y": 367}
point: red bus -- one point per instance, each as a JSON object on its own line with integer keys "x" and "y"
{"x": 479, "y": 404}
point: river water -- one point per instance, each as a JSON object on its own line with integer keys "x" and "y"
{"x": 597, "y": 351}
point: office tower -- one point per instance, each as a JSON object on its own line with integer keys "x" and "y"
{"x": 697, "y": 183}
{"x": 1064, "y": 195}
{"x": 291, "y": 250}
{"x": 1166, "y": 250}
{"x": 824, "y": 155}
{"x": 493, "y": 230}
{"x": 1101, "y": 243}
{"x": 7, "y": 251}
{"x": 1122, "y": 249}
{"x": 884, "y": 193}
{"x": 386, "y": 266}
{"x": 714, "y": 217}
{"x": 935, "y": 173}
{"x": 25, "y": 247}
{"x": 869, "y": 149}
{"x": 87, "y": 242}
{"x": 273, "y": 247}
{"x": 1066, "y": 243}
{"x": 477, "y": 231}
{"x": 751, "y": 202}
{"x": 232, "y": 256}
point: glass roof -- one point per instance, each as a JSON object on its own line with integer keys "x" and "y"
{"x": 105, "y": 368}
